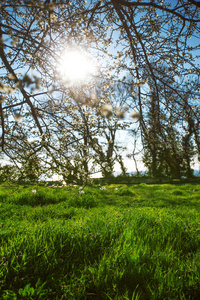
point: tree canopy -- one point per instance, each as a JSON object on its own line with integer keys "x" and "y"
{"x": 147, "y": 56}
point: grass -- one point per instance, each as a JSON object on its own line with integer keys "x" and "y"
{"x": 113, "y": 242}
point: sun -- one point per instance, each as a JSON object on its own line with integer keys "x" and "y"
{"x": 75, "y": 67}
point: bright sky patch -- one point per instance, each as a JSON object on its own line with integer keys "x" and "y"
{"x": 75, "y": 67}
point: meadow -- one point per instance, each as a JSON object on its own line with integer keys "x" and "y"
{"x": 100, "y": 242}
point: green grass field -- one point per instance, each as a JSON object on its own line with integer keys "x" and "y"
{"x": 113, "y": 242}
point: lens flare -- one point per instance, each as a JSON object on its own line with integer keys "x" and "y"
{"x": 75, "y": 67}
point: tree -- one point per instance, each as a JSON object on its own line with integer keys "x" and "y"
{"x": 145, "y": 34}
{"x": 166, "y": 152}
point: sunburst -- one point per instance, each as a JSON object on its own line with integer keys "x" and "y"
{"x": 75, "y": 67}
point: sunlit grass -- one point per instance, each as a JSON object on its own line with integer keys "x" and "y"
{"x": 112, "y": 242}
